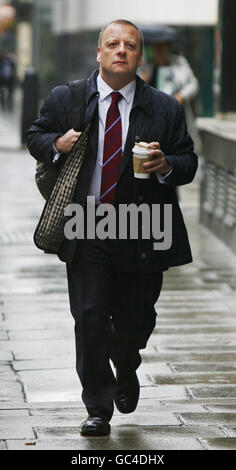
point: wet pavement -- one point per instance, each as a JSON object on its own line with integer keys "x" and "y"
{"x": 188, "y": 373}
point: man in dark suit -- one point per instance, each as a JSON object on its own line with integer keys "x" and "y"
{"x": 114, "y": 283}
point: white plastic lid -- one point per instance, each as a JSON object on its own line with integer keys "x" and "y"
{"x": 140, "y": 150}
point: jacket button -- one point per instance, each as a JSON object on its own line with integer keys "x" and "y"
{"x": 143, "y": 255}
{"x": 140, "y": 198}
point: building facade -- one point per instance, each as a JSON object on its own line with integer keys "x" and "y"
{"x": 66, "y": 32}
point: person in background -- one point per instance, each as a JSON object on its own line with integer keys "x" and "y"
{"x": 7, "y": 80}
{"x": 171, "y": 73}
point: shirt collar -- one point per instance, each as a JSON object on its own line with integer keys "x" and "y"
{"x": 105, "y": 90}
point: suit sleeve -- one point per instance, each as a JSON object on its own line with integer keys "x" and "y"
{"x": 52, "y": 123}
{"x": 180, "y": 151}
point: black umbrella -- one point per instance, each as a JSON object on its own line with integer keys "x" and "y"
{"x": 158, "y": 33}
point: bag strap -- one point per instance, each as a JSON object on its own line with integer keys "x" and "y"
{"x": 78, "y": 93}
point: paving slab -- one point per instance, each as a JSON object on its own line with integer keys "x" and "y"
{"x": 146, "y": 417}
{"x": 6, "y": 372}
{"x": 177, "y": 406}
{"x": 230, "y": 408}
{"x": 155, "y": 403}
{"x": 230, "y": 430}
{"x": 64, "y": 410}
{"x": 24, "y": 303}
{"x": 40, "y": 405}
{"x": 204, "y": 402}
{"x": 34, "y": 349}
{"x": 43, "y": 334}
{"x": 29, "y": 287}
{"x": 54, "y": 419}
{"x": 11, "y": 390}
{"x": 6, "y": 413}
{"x": 59, "y": 384}
{"x": 187, "y": 356}
{"x": 24, "y": 306}
{"x": 164, "y": 392}
{"x": 67, "y": 362}
{"x": 176, "y": 306}
{"x": 193, "y": 330}
{"x": 3, "y": 334}
{"x": 51, "y": 385}
{"x": 157, "y": 409}
{"x": 17, "y": 430}
{"x": 149, "y": 368}
{"x": 195, "y": 378}
{"x": 3, "y": 445}
{"x": 200, "y": 367}
{"x": 6, "y": 355}
{"x": 217, "y": 391}
{"x": 13, "y": 405}
{"x": 45, "y": 320}
{"x": 225, "y": 443}
{"x": 198, "y": 340}
{"x": 209, "y": 418}
{"x": 190, "y": 296}
{"x": 108, "y": 443}
{"x": 133, "y": 432}
{"x": 224, "y": 287}
{"x": 205, "y": 348}
{"x": 196, "y": 319}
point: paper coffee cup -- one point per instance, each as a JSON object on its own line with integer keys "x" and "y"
{"x": 140, "y": 156}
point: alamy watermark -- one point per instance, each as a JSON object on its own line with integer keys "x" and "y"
{"x": 154, "y": 224}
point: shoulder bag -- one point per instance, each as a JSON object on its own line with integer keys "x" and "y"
{"x": 49, "y": 232}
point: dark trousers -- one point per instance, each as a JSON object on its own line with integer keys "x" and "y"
{"x": 114, "y": 317}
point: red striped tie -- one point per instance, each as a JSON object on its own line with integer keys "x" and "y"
{"x": 112, "y": 153}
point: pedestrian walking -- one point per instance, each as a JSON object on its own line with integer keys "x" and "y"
{"x": 171, "y": 72}
{"x": 114, "y": 282}
{"x": 7, "y": 80}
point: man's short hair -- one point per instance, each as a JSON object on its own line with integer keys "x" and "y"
{"x": 120, "y": 21}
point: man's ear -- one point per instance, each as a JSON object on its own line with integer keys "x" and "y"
{"x": 140, "y": 59}
{"x": 98, "y": 55}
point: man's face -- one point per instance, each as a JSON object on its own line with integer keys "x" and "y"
{"x": 119, "y": 53}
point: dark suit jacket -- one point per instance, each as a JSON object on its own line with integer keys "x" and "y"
{"x": 155, "y": 116}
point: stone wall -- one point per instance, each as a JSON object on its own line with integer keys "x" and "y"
{"x": 218, "y": 182}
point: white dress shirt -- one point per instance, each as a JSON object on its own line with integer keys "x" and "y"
{"x": 104, "y": 101}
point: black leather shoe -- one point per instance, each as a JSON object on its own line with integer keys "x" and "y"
{"x": 127, "y": 395}
{"x": 95, "y": 426}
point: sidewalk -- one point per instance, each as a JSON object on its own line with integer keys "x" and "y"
{"x": 188, "y": 374}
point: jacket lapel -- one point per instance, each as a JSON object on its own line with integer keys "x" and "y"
{"x": 141, "y": 102}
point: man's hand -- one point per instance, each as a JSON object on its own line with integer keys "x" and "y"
{"x": 65, "y": 143}
{"x": 159, "y": 162}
